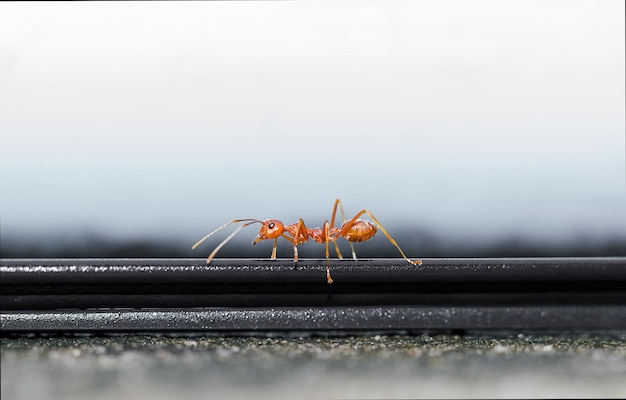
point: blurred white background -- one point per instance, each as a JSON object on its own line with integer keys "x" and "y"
{"x": 469, "y": 120}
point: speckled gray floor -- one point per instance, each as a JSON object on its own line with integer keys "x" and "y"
{"x": 374, "y": 366}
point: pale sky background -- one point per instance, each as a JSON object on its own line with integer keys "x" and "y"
{"x": 469, "y": 119}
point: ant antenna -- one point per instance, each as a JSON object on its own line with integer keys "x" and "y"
{"x": 229, "y": 236}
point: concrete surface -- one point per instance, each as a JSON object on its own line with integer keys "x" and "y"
{"x": 310, "y": 367}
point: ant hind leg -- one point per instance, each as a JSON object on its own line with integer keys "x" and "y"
{"x": 339, "y": 205}
{"x": 387, "y": 235}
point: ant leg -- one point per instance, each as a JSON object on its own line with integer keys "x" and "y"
{"x": 332, "y": 218}
{"x": 332, "y": 223}
{"x": 353, "y": 252}
{"x": 414, "y": 262}
{"x": 326, "y": 236}
{"x": 295, "y": 252}
{"x": 273, "y": 256}
{"x": 337, "y": 249}
{"x": 301, "y": 236}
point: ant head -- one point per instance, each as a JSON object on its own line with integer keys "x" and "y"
{"x": 270, "y": 229}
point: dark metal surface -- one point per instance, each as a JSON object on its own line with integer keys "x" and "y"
{"x": 248, "y": 295}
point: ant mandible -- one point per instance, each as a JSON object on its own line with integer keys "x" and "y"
{"x": 352, "y": 230}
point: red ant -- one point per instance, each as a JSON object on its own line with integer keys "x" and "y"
{"x": 353, "y": 230}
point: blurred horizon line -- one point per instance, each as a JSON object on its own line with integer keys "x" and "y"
{"x": 426, "y": 245}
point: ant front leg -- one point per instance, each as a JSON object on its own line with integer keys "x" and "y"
{"x": 300, "y": 235}
{"x": 273, "y": 256}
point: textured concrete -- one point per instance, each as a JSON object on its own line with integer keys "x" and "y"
{"x": 372, "y": 366}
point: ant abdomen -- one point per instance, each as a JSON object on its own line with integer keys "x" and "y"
{"x": 359, "y": 231}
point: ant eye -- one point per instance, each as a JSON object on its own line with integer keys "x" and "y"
{"x": 271, "y": 225}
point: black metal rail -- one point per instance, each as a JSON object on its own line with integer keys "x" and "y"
{"x": 107, "y": 295}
